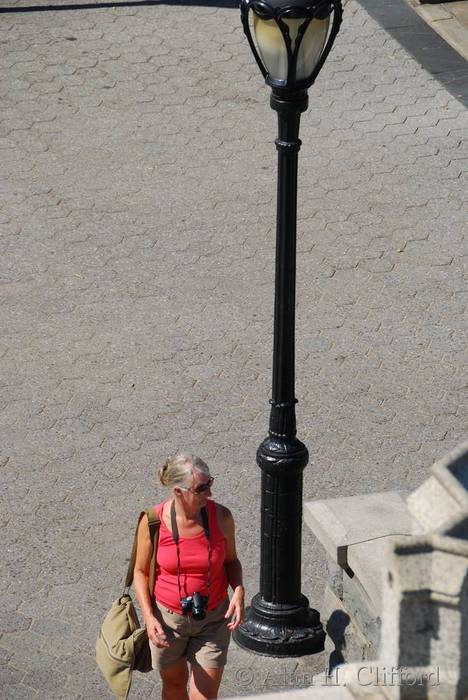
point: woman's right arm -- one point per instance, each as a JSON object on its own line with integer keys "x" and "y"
{"x": 140, "y": 584}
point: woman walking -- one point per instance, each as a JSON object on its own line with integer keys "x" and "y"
{"x": 196, "y": 563}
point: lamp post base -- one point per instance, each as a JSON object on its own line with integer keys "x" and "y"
{"x": 275, "y": 629}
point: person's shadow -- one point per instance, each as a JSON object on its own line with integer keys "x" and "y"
{"x": 336, "y": 626}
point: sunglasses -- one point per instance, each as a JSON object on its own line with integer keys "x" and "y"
{"x": 201, "y": 488}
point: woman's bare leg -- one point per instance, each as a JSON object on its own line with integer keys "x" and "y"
{"x": 174, "y": 680}
{"x": 205, "y": 682}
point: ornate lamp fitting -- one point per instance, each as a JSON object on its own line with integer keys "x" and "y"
{"x": 290, "y": 39}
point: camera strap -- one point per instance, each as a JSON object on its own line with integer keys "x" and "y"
{"x": 175, "y": 537}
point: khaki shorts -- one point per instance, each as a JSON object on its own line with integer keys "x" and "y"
{"x": 202, "y": 642}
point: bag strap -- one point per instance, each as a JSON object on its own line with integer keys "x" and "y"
{"x": 153, "y": 524}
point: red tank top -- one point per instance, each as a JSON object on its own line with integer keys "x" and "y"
{"x": 193, "y": 564}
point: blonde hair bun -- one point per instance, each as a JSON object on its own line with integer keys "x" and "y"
{"x": 178, "y": 469}
{"x": 162, "y": 473}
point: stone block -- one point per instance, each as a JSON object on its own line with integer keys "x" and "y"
{"x": 425, "y": 609}
{"x": 355, "y": 532}
{"x": 444, "y": 496}
{"x": 367, "y": 562}
{"x": 335, "y": 578}
{"x": 360, "y": 608}
{"x": 341, "y": 522}
{"x": 345, "y": 639}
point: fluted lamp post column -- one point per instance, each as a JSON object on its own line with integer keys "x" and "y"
{"x": 290, "y": 40}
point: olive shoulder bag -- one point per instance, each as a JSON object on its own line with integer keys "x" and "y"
{"x": 122, "y": 645}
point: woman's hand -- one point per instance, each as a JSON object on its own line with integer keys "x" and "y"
{"x": 156, "y": 632}
{"x": 236, "y": 609}
{"x": 233, "y": 569}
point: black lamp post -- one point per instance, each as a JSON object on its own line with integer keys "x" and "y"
{"x": 290, "y": 40}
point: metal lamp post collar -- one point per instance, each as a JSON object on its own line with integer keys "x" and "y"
{"x": 279, "y": 10}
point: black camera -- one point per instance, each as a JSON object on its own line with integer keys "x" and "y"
{"x": 195, "y": 605}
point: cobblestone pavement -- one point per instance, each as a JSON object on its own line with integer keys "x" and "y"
{"x": 137, "y": 220}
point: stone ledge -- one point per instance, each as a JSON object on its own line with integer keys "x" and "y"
{"x": 342, "y": 523}
{"x": 357, "y": 533}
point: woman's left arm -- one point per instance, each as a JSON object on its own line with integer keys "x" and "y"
{"x": 233, "y": 569}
